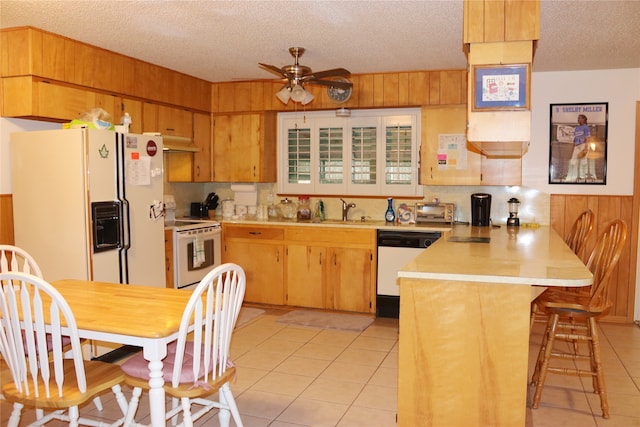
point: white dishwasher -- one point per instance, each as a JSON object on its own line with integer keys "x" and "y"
{"x": 395, "y": 250}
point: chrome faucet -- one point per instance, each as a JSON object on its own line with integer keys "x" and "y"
{"x": 345, "y": 209}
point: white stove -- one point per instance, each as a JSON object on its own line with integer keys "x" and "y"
{"x": 182, "y": 224}
{"x": 196, "y": 249}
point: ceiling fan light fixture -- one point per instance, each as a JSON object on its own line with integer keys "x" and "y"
{"x": 284, "y": 94}
{"x": 307, "y": 98}
{"x": 298, "y": 93}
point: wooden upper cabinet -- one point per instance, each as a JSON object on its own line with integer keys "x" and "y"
{"x": 202, "y": 159}
{"x": 169, "y": 121}
{"x": 501, "y": 20}
{"x": 30, "y": 51}
{"x": 244, "y": 147}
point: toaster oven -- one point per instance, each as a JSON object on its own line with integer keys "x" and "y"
{"x": 434, "y": 213}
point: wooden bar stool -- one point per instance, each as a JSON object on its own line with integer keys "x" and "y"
{"x": 573, "y": 317}
{"x": 576, "y": 239}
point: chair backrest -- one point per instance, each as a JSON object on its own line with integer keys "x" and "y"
{"x": 213, "y": 308}
{"x": 603, "y": 260}
{"x": 580, "y": 232}
{"x": 34, "y": 317}
{"x": 13, "y": 258}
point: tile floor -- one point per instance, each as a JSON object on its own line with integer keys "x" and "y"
{"x": 295, "y": 376}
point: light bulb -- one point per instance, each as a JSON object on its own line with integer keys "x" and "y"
{"x": 298, "y": 93}
{"x": 284, "y": 94}
{"x": 308, "y": 97}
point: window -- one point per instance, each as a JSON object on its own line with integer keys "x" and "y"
{"x": 373, "y": 152}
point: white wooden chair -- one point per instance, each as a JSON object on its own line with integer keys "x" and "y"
{"x": 13, "y": 258}
{"x": 33, "y": 319}
{"x": 195, "y": 369}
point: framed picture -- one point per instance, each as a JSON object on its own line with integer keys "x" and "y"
{"x": 578, "y": 143}
{"x": 501, "y": 87}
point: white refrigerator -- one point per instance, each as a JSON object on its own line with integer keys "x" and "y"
{"x": 87, "y": 204}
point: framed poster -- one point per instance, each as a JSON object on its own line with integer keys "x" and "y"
{"x": 501, "y": 87}
{"x": 578, "y": 143}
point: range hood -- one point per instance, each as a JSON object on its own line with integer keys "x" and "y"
{"x": 175, "y": 143}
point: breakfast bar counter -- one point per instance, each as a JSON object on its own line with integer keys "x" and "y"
{"x": 464, "y": 323}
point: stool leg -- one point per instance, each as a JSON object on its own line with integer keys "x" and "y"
{"x": 544, "y": 356}
{"x": 543, "y": 345}
{"x": 597, "y": 362}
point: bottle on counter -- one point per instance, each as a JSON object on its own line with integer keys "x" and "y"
{"x": 390, "y": 215}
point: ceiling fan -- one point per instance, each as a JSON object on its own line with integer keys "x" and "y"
{"x": 297, "y": 76}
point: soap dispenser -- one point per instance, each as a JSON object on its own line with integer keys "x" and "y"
{"x": 390, "y": 215}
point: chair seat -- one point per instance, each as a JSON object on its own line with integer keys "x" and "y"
{"x": 186, "y": 389}
{"x": 100, "y": 376}
{"x": 138, "y": 367}
{"x": 567, "y": 302}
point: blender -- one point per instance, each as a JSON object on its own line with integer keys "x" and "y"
{"x": 513, "y": 220}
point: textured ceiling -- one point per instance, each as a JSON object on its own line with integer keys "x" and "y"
{"x": 225, "y": 40}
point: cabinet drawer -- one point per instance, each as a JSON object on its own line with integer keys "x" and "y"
{"x": 355, "y": 236}
{"x": 252, "y": 232}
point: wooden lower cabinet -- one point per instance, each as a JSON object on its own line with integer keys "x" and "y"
{"x": 259, "y": 251}
{"x": 331, "y": 268}
{"x": 314, "y": 267}
{"x": 306, "y": 267}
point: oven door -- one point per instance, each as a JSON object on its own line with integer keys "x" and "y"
{"x": 196, "y": 253}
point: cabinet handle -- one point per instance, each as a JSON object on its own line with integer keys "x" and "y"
{"x": 255, "y": 233}
{"x": 198, "y": 170}
{"x": 334, "y": 259}
{"x": 278, "y": 256}
{"x": 431, "y": 169}
{"x": 170, "y": 129}
{"x": 320, "y": 258}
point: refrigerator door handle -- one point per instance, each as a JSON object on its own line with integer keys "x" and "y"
{"x": 124, "y": 203}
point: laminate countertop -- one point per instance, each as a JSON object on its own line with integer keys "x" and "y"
{"x": 528, "y": 256}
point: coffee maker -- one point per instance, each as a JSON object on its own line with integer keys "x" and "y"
{"x": 480, "y": 209}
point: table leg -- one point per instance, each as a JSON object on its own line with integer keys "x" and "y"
{"x": 154, "y": 351}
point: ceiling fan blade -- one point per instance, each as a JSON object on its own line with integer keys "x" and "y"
{"x": 331, "y": 83}
{"x": 273, "y": 69}
{"x": 330, "y": 73}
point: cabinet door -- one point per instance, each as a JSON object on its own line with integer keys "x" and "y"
{"x": 445, "y": 157}
{"x": 245, "y": 139}
{"x": 497, "y": 171}
{"x": 175, "y": 122}
{"x": 202, "y": 140}
{"x": 305, "y": 276}
{"x": 222, "y": 149}
{"x": 264, "y": 269}
{"x": 349, "y": 279}
{"x": 168, "y": 121}
{"x": 62, "y": 102}
{"x": 244, "y": 147}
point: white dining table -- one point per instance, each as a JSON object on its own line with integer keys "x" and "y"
{"x": 135, "y": 315}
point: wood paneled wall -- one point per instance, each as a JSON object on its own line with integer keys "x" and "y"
{"x": 6, "y": 219}
{"x": 565, "y": 208}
